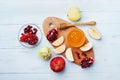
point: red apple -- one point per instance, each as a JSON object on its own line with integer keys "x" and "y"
{"x": 57, "y": 64}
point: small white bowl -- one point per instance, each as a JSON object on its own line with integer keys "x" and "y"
{"x": 39, "y": 35}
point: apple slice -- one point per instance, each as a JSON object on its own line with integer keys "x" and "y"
{"x": 94, "y": 33}
{"x": 59, "y": 41}
{"x": 69, "y": 55}
{"x": 86, "y": 47}
{"x": 60, "y": 49}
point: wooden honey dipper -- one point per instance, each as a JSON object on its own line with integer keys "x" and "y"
{"x": 65, "y": 26}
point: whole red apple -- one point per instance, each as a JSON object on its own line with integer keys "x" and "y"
{"x": 57, "y": 64}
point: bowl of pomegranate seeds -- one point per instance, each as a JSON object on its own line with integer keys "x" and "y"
{"x": 30, "y": 35}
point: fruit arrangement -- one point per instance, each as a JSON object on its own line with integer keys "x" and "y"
{"x": 29, "y": 35}
{"x": 67, "y": 40}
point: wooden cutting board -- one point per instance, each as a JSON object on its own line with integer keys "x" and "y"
{"x": 52, "y": 22}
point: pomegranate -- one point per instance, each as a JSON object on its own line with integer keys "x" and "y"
{"x": 29, "y": 35}
{"x": 52, "y": 35}
{"x": 87, "y": 62}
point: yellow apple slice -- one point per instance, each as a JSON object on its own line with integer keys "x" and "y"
{"x": 69, "y": 55}
{"x": 59, "y": 41}
{"x": 94, "y": 33}
{"x": 60, "y": 49}
{"x": 86, "y": 47}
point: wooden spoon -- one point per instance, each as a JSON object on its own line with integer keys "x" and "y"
{"x": 64, "y": 25}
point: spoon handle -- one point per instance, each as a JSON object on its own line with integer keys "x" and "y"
{"x": 85, "y": 23}
{"x": 64, "y": 25}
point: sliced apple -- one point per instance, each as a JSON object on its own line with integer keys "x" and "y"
{"x": 69, "y": 55}
{"x": 59, "y": 41}
{"x": 86, "y": 47}
{"x": 60, "y": 49}
{"x": 94, "y": 33}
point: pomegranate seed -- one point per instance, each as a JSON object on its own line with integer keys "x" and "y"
{"x": 29, "y": 26}
{"x": 86, "y": 62}
{"x": 34, "y": 30}
{"x": 29, "y": 36}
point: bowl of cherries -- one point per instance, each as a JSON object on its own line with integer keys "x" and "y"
{"x": 30, "y": 35}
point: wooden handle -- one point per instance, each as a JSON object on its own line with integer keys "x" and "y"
{"x": 85, "y": 23}
{"x": 64, "y": 25}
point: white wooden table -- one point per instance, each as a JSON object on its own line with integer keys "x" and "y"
{"x": 20, "y": 63}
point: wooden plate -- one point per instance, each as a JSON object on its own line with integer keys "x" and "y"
{"x": 52, "y": 22}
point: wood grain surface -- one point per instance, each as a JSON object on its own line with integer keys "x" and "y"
{"x": 76, "y": 52}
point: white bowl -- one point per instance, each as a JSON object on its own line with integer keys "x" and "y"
{"x": 39, "y": 35}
